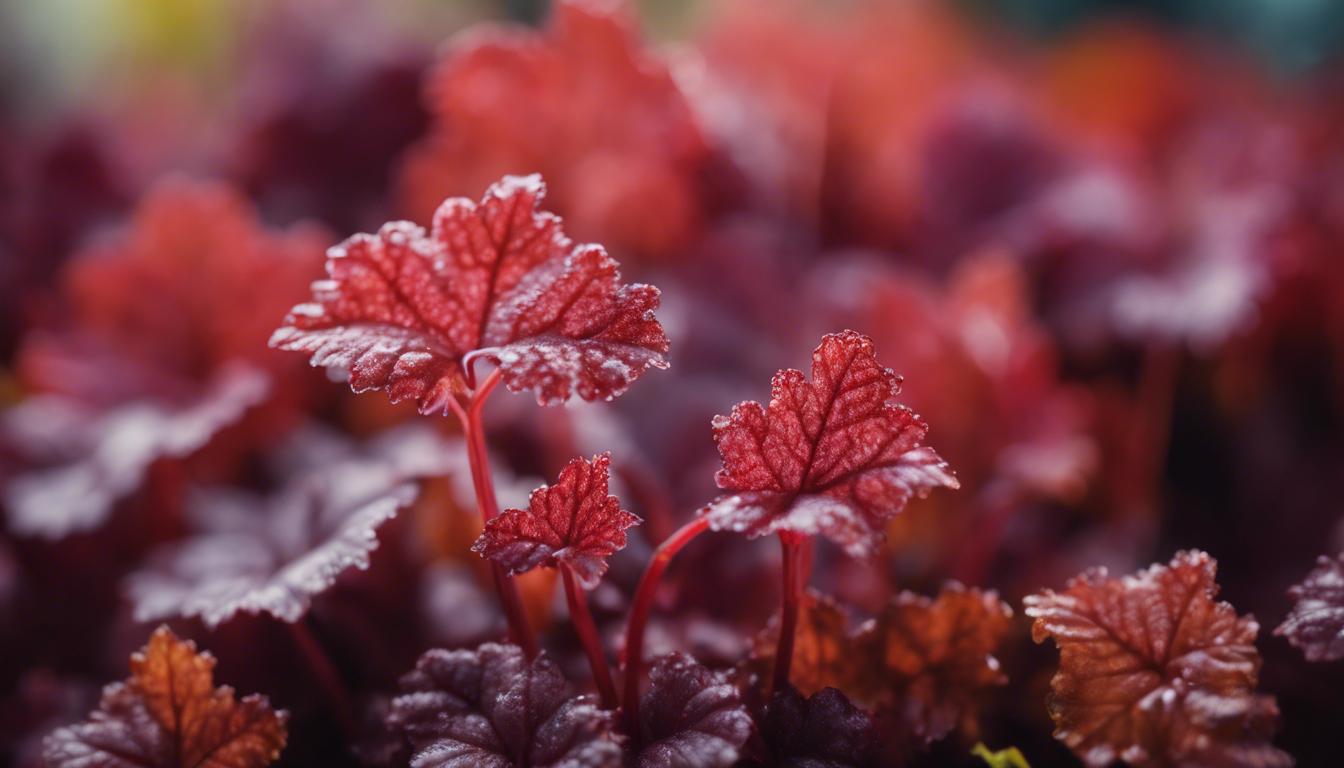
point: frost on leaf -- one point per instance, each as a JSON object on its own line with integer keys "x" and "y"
{"x": 582, "y": 102}
{"x": 169, "y": 714}
{"x": 822, "y": 731}
{"x": 1154, "y": 672}
{"x": 275, "y": 554}
{"x": 921, "y": 664}
{"x": 1316, "y": 623}
{"x": 491, "y": 708}
{"x": 404, "y": 309}
{"x": 830, "y": 456}
{"x": 88, "y": 460}
{"x": 690, "y": 716}
{"x": 573, "y": 522}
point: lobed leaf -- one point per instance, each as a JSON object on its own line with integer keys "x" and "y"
{"x": 406, "y": 310}
{"x": 827, "y": 457}
{"x": 822, "y": 731}
{"x": 169, "y": 714}
{"x": 1316, "y": 623}
{"x": 491, "y": 708}
{"x": 274, "y": 555}
{"x": 690, "y": 716}
{"x": 573, "y": 522}
{"x": 1154, "y": 672}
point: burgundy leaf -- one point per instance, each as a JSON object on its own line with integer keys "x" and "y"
{"x": 1154, "y": 672}
{"x": 573, "y": 522}
{"x": 406, "y": 310}
{"x": 830, "y": 456}
{"x": 275, "y": 554}
{"x": 491, "y": 708}
{"x": 169, "y": 714}
{"x": 690, "y": 716}
{"x": 821, "y": 731}
{"x": 93, "y": 459}
{"x": 1316, "y": 623}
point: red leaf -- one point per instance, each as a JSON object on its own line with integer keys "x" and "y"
{"x": 822, "y": 731}
{"x": 690, "y": 716}
{"x": 1154, "y": 672}
{"x": 169, "y": 714}
{"x": 830, "y": 456}
{"x": 404, "y": 310}
{"x": 274, "y": 555}
{"x": 581, "y": 102}
{"x": 573, "y": 522}
{"x": 1316, "y": 623}
{"x": 490, "y": 708}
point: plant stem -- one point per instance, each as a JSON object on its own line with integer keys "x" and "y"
{"x": 639, "y": 612}
{"x": 582, "y": 619}
{"x": 338, "y": 699}
{"x": 792, "y": 544}
{"x": 520, "y": 630}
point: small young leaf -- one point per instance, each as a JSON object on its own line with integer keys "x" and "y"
{"x": 830, "y": 456}
{"x": 404, "y": 309}
{"x": 491, "y": 708}
{"x": 821, "y": 731}
{"x": 169, "y": 714}
{"x": 274, "y": 555}
{"x": 1316, "y": 623}
{"x": 1154, "y": 672}
{"x": 573, "y": 522}
{"x": 690, "y": 716}
{"x": 1004, "y": 758}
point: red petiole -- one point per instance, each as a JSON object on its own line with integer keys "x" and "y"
{"x": 639, "y": 612}
{"x": 520, "y": 630}
{"x": 582, "y": 619}
{"x": 794, "y": 575}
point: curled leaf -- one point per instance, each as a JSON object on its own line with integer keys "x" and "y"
{"x": 1154, "y": 672}
{"x": 491, "y": 708}
{"x": 573, "y": 522}
{"x": 1316, "y": 623}
{"x": 169, "y": 714}
{"x": 690, "y": 716}
{"x": 405, "y": 310}
{"x": 830, "y": 456}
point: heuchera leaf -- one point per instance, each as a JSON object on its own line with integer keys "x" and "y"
{"x": 690, "y": 716}
{"x": 582, "y": 102}
{"x": 275, "y": 554}
{"x": 1316, "y": 623}
{"x": 403, "y": 310}
{"x": 822, "y": 731}
{"x": 491, "y": 708}
{"x": 921, "y": 663}
{"x": 169, "y": 714}
{"x": 1154, "y": 672}
{"x": 830, "y": 456}
{"x": 573, "y": 522}
{"x": 92, "y": 459}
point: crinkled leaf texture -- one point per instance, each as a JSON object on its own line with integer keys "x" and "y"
{"x": 573, "y": 522}
{"x": 1154, "y": 672}
{"x": 169, "y": 714}
{"x": 830, "y": 456}
{"x": 274, "y": 555}
{"x": 94, "y": 459}
{"x": 407, "y": 311}
{"x": 491, "y": 708}
{"x": 690, "y": 716}
{"x": 822, "y": 731}
{"x": 922, "y": 664}
{"x": 1316, "y": 623}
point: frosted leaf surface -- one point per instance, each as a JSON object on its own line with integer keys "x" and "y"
{"x": 408, "y": 311}
{"x": 828, "y": 456}
{"x": 1316, "y": 623}
{"x": 690, "y": 716}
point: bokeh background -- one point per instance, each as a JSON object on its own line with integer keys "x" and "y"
{"x": 1102, "y": 241}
